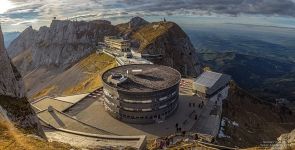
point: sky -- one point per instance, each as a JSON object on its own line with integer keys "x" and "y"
{"x": 16, "y": 15}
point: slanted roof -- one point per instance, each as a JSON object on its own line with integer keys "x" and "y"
{"x": 209, "y": 82}
{"x": 45, "y": 102}
{"x": 72, "y": 98}
{"x": 57, "y": 119}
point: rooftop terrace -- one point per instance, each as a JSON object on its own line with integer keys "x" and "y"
{"x": 144, "y": 77}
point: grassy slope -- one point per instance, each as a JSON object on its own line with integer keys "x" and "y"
{"x": 13, "y": 139}
{"x": 81, "y": 78}
{"x": 147, "y": 34}
{"x": 94, "y": 66}
{"x": 258, "y": 120}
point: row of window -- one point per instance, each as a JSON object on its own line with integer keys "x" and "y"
{"x": 144, "y": 101}
{"x": 153, "y": 94}
{"x": 143, "y": 110}
{"x": 157, "y": 116}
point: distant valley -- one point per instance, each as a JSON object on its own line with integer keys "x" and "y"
{"x": 266, "y": 78}
{"x": 260, "y": 59}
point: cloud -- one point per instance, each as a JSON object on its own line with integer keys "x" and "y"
{"x": 45, "y": 10}
{"x": 231, "y": 7}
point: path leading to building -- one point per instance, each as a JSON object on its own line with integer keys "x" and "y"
{"x": 95, "y": 141}
{"x": 208, "y": 123}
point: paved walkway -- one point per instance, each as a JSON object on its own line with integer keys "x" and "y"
{"x": 72, "y": 99}
{"x": 59, "y": 120}
{"x": 94, "y": 141}
{"x": 209, "y": 120}
{"x": 44, "y": 103}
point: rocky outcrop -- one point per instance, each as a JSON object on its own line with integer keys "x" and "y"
{"x": 126, "y": 29}
{"x": 63, "y": 43}
{"x": 285, "y": 142}
{"x": 11, "y": 83}
{"x": 14, "y": 106}
{"x": 257, "y": 122}
{"x": 168, "y": 41}
{"x": 137, "y": 22}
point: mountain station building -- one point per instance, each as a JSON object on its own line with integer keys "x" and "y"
{"x": 141, "y": 93}
{"x": 117, "y": 43}
{"x": 212, "y": 85}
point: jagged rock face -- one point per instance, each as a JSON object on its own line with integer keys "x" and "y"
{"x": 169, "y": 40}
{"x": 13, "y": 104}
{"x": 11, "y": 83}
{"x": 64, "y": 42}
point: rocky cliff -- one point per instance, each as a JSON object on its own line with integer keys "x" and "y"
{"x": 11, "y": 83}
{"x": 14, "y": 106}
{"x": 285, "y": 142}
{"x": 168, "y": 41}
{"x": 61, "y": 44}
{"x": 249, "y": 121}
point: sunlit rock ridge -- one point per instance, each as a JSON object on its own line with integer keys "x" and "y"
{"x": 11, "y": 83}
{"x": 14, "y": 106}
{"x": 65, "y": 42}
{"x": 61, "y": 44}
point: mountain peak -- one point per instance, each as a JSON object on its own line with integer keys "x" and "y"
{"x": 136, "y": 22}
{"x": 171, "y": 42}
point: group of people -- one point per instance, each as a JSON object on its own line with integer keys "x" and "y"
{"x": 201, "y": 105}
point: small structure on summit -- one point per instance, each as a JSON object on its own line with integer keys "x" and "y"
{"x": 141, "y": 93}
{"x": 212, "y": 85}
{"x": 117, "y": 43}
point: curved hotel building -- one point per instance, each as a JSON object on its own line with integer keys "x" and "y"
{"x": 141, "y": 93}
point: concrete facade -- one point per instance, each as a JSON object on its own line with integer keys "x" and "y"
{"x": 142, "y": 106}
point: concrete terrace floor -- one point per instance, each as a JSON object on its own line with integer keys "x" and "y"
{"x": 89, "y": 141}
{"x": 91, "y": 111}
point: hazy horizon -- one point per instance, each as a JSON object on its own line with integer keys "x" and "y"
{"x": 16, "y": 15}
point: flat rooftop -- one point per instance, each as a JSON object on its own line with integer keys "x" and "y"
{"x": 116, "y": 39}
{"x": 144, "y": 77}
{"x": 209, "y": 81}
